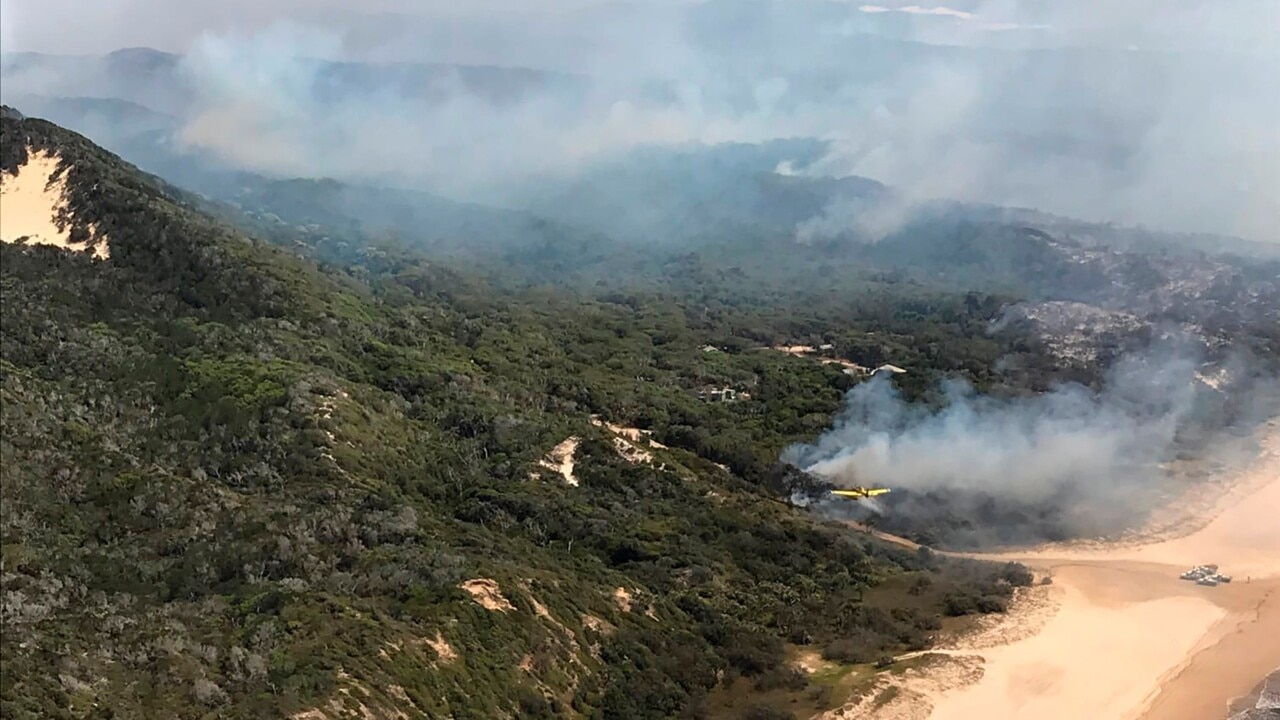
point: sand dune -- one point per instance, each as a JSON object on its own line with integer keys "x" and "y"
{"x": 32, "y": 200}
{"x": 1129, "y": 641}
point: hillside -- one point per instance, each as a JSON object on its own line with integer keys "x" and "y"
{"x": 749, "y": 252}
{"x": 240, "y": 484}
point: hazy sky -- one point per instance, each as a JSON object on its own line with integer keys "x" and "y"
{"x": 95, "y": 26}
{"x": 1162, "y": 112}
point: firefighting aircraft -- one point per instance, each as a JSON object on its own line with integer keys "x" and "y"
{"x": 860, "y": 492}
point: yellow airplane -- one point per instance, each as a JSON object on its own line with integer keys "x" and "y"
{"x": 860, "y": 492}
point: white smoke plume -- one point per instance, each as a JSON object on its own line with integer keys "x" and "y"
{"x": 1100, "y": 449}
{"x": 1138, "y": 111}
{"x": 862, "y": 219}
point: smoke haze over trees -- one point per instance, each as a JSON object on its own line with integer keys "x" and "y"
{"x": 466, "y": 357}
{"x": 1088, "y": 461}
{"x": 1140, "y": 111}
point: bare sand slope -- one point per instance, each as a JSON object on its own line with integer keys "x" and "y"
{"x": 31, "y": 201}
{"x": 562, "y": 458}
{"x": 1129, "y": 640}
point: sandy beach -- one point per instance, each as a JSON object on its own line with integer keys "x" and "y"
{"x": 1129, "y": 640}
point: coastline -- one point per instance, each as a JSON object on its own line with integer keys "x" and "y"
{"x": 1126, "y": 639}
{"x": 1266, "y": 696}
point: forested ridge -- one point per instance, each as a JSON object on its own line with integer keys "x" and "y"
{"x": 238, "y": 482}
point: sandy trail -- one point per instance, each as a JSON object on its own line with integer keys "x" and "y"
{"x": 562, "y": 459}
{"x": 1129, "y": 641}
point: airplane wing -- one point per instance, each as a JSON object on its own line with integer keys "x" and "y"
{"x": 860, "y": 492}
{"x": 849, "y": 493}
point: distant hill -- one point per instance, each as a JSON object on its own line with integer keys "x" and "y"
{"x": 158, "y": 80}
{"x": 629, "y": 219}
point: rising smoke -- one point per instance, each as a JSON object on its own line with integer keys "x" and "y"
{"x": 1093, "y": 460}
{"x": 1148, "y": 111}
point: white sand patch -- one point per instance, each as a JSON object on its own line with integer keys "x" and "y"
{"x": 329, "y": 400}
{"x": 542, "y": 612}
{"x": 561, "y": 460}
{"x": 401, "y": 696}
{"x": 631, "y": 453}
{"x": 636, "y": 436}
{"x": 363, "y": 711}
{"x": 797, "y": 350}
{"x": 440, "y": 647}
{"x": 324, "y": 413}
{"x": 851, "y": 367}
{"x": 622, "y": 597}
{"x": 628, "y": 441}
{"x": 443, "y": 650}
{"x": 488, "y": 594}
{"x": 810, "y": 661}
{"x": 571, "y": 638}
{"x": 1214, "y": 379}
{"x": 597, "y": 625}
{"x": 31, "y": 202}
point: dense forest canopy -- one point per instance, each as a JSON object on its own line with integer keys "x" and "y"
{"x": 302, "y": 446}
{"x": 239, "y": 482}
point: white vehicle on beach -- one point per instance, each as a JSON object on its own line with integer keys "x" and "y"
{"x": 1205, "y": 575}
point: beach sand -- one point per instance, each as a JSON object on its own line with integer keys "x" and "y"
{"x": 1128, "y": 639}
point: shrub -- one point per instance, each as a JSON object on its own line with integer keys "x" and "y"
{"x": 782, "y": 677}
{"x": 1017, "y": 575}
{"x": 859, "y": 649}
{"x": 921, "y": 585}
{"x": 988, "y": 604}
{"x": 958, "y": 604}
{"x": 764, "y": 712}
